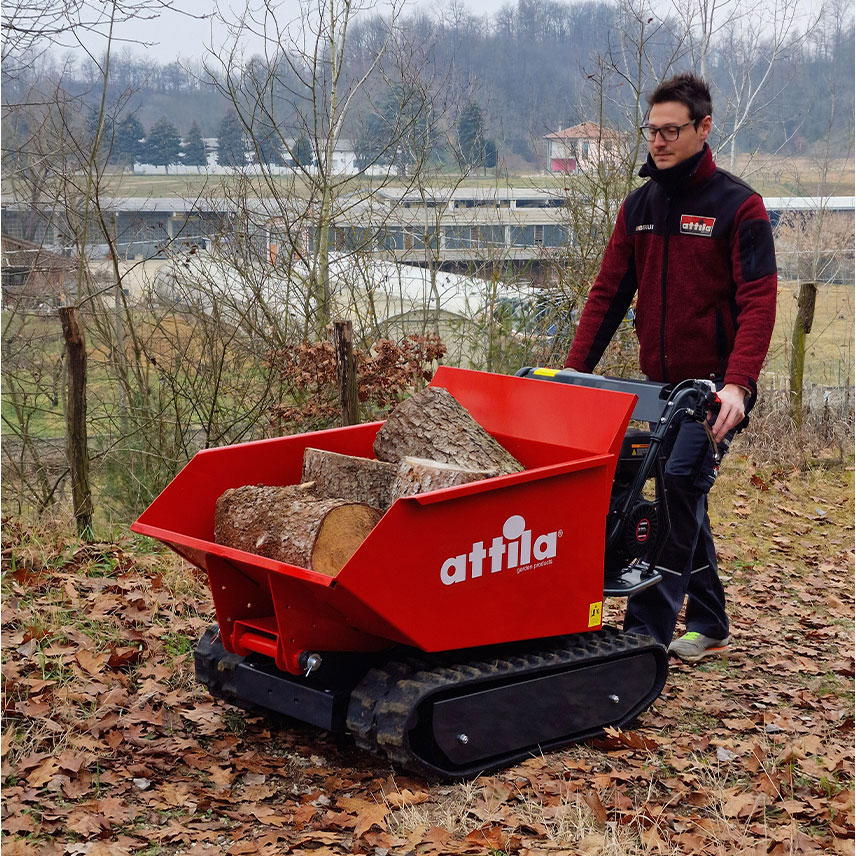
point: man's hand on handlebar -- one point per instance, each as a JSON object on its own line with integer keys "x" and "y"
{"x": 732, "y": 410}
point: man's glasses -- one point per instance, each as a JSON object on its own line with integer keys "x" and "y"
{"x": 669, "y": 133}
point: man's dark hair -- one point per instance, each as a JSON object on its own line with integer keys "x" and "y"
{"x": 687, "y": 89}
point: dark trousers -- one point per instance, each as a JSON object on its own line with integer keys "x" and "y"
{"x": 688, "y": 561}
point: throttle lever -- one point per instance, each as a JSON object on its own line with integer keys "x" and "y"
{"x": 707, "y": 402}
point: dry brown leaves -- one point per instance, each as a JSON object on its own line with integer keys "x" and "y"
{"x": 309, "y": 377}
{"x": 110, "y": 747}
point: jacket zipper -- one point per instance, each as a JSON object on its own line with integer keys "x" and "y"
{"x": 663, "y": 369}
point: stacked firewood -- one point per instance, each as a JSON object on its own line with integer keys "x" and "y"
{"x": 428, "y": 442}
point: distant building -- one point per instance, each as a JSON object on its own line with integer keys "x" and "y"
{"x": 344, "y": 156}
{"x": 580, "y": 147}
{"x": 344, "y": 162}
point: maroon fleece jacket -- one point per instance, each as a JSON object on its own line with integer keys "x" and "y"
{"x": 695, "y": 242}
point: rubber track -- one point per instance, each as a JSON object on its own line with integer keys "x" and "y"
{"x": 383, "y": 706}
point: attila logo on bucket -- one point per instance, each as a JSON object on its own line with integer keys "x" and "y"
{"x": 515, "y": 548}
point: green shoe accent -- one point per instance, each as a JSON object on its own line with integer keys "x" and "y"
{"x": 693, "y": 646}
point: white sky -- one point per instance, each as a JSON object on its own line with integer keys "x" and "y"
{"x": 172, "y": 34}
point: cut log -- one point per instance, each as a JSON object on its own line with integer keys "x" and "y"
{"x": 291, "y": 524}
{"x": 417, "y": 475}
{"x": 349, "y": 477}
{"x": 432, "y": 424}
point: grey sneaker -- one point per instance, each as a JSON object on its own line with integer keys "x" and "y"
{"x": 692, "y": 646}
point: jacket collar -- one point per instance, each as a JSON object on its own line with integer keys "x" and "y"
{"x": 686, "y": 175}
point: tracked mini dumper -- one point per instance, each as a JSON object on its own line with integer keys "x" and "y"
{"x": 465, "y": 632}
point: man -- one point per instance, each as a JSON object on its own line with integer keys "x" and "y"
{"x": 695, "y": 242}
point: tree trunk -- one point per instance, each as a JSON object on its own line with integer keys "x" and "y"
{"x": 291, "y": 524}
{"x": 75, "y": 420}
{"x": 802, "y": 327}
{"x": 349, "y": 477}
{"x": 325, "y": 174}
{"x": 346, "y": 371}
{"x": 417, "y": 475}
{"x": 433, "y": 424}
{"x": 321, "y": 284}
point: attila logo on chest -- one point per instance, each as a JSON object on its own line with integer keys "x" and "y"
{"x": 693, "y": 224}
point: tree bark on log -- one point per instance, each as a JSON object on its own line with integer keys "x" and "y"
{"x": 417, "y": 475}
{"x": 432, "y": 424}
{"x": 291, "y": 524}
{"x": 349, "y": 477}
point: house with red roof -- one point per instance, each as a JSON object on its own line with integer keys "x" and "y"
{"x": 580, "y": 147}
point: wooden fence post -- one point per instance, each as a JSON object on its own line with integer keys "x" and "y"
{"x": 75, "y": 420}
{"x": 802, "y": 327}
{"x": 346, "y": 371}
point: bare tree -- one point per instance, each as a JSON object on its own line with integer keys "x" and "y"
{"x": 642, "y": 50}
{"x": 30, "y": 28}
{"x": 739, "y": 44}
{"x": 816, "y": 247}
{"x": 303, "y": 88}
{"x": 56, "y": 161}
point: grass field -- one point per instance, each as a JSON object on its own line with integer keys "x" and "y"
{"x": 829, "y": 346}
{"x": 769, "y": 175}
{"x": 795, "y": 176}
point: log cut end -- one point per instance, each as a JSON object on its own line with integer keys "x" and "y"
{"x": 292, "y": 524}
{"x": 343, "y": 530}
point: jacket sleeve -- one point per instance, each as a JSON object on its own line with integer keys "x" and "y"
{"x": 753, "y": 261}
{"x": 607, "y": 302}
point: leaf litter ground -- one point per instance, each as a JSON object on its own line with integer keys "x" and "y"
{"x": 109, "y": 746}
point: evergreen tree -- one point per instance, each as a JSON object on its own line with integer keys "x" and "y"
{"x": 400, "y": 132}
{"x": 163, "y": 144}
{"x": 194, "y": 148}
{"x": 92, "y": 122}
{"x": 490, "y": 154}
{"x": 106, "y": 131}
{"x": 231, "y": 145}
{"x": 128, "y": 145}
{"x": 372, "y": 143}
{"x": 303, "y": 151}
{"x": 270, "y": 147}
{"x": 471, "y": 135}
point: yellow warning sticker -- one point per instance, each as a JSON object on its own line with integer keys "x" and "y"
{"x": 595, "y": 613}
{"x": 546, "y": 372}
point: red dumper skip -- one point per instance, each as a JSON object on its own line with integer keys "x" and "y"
{"x": 465, "y": 632}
